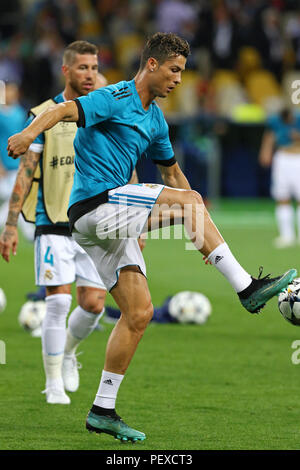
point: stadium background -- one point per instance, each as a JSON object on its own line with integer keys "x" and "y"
{"x": 229, "y": 384}
{"x": 244, "y": 56}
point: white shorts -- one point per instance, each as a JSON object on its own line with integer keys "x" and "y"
{"x": 109, "y": 233}
{"x": 285, "y": 176}
{"x": 59, "y": 260}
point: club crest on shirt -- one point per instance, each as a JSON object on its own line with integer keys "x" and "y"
{"x": 48, "y": 274}
{"x": 152, "y": 186}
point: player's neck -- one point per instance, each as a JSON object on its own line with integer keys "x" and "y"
{"x": 70, "y": 94}
{"x": 143, "y": 90}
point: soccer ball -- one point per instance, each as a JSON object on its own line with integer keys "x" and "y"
{"x": 190, "y": 307}
{"x": 289, "y": 302}
{"x": 31, "y": 316}
{"x": 2, "y": 300}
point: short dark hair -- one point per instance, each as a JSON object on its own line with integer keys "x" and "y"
{"x": 162, "y": 46}
{"x": 78, "y": 47}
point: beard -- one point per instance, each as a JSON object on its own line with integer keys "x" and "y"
{"x": 77, "y": 88}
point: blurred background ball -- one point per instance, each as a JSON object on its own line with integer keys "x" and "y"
{"x": 190, "y": 307}
{"x": 31, "y": 316}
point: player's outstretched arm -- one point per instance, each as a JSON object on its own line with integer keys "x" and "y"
{"x": 18, "y": 144}
{"x": 173, "y": 176}
{"x": 9, "y": 238}
{"x": 267, "y": 149}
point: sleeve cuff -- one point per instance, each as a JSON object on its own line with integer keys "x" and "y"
{"x": 81, "y": 120}
{"x": 169, "y": 162}
{"x": 36, "y": 148}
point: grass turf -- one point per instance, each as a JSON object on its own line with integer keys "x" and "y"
{"x": 229, "y": 384}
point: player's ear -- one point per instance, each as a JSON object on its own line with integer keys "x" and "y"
{"x": 152, "y": 64}
{"x": 64, "y": 69}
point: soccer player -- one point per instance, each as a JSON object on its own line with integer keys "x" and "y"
{"x": 116, "y": 125}
{"x": 59, "y": 260}
{"x": 280, "y": 148}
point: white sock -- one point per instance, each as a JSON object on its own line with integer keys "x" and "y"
{"x": 54, "y": 323}
{"x": 54, "y": 337}
{"x": 108, "y": 389}
{"x": 285, "y": 220}
{"x": 298, "y": 221}
{"x": 52, "y": 367}
{"x": 222, "y": 258}
{"x": 80, "y": 325}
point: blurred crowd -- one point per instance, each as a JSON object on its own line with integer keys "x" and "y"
{"x": 232, "y": 42}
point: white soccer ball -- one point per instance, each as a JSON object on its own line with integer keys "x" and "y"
{"x": 289, "y": 302}
{"x": 190, "y": 307}
{"x": 31, "y": 316}
{"x": 2, "y": 300}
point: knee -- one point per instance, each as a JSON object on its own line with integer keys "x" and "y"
{"x": 57, "y": 308}
{"x": 92, "y": 300}
{"x": 193, "y": 197}
{"x": 138, "y": 321}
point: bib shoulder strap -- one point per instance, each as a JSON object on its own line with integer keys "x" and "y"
{"x": 42, "y": 107}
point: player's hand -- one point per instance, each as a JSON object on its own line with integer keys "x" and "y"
{"x": 206, "y": 260}
{"x": 18, "y": 144}
{"x": 8, "y": 242}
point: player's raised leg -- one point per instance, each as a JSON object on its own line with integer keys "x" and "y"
{"x": 187, "y": 206}
{"x": 132, "y": 295}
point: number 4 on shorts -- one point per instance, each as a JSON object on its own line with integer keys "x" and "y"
{"x": 48, "y": 256}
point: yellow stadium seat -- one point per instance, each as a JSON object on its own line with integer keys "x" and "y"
{"x": 113, "y": 75}
{"x": 89, "y": 25}
{"x": 261, "y": 85}
{"x": 186, "y": 94}
{"x": 127, "y": 48}
{"x": 184, "y": 100}
{"x": 223, "y": 78}
{"x": 248, "y": 60}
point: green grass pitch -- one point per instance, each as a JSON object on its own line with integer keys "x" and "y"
{"x": 228, "y": 384}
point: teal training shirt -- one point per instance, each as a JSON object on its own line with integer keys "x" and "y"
{"x": 114, "y": 131}
{"x": 282, "y": 130}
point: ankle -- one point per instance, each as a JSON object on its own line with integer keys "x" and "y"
{"x": 100, "y": 411}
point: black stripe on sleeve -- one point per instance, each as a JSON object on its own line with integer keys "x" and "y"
{"x": 81, "y": 120}
{"x": 169, "y": 162}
